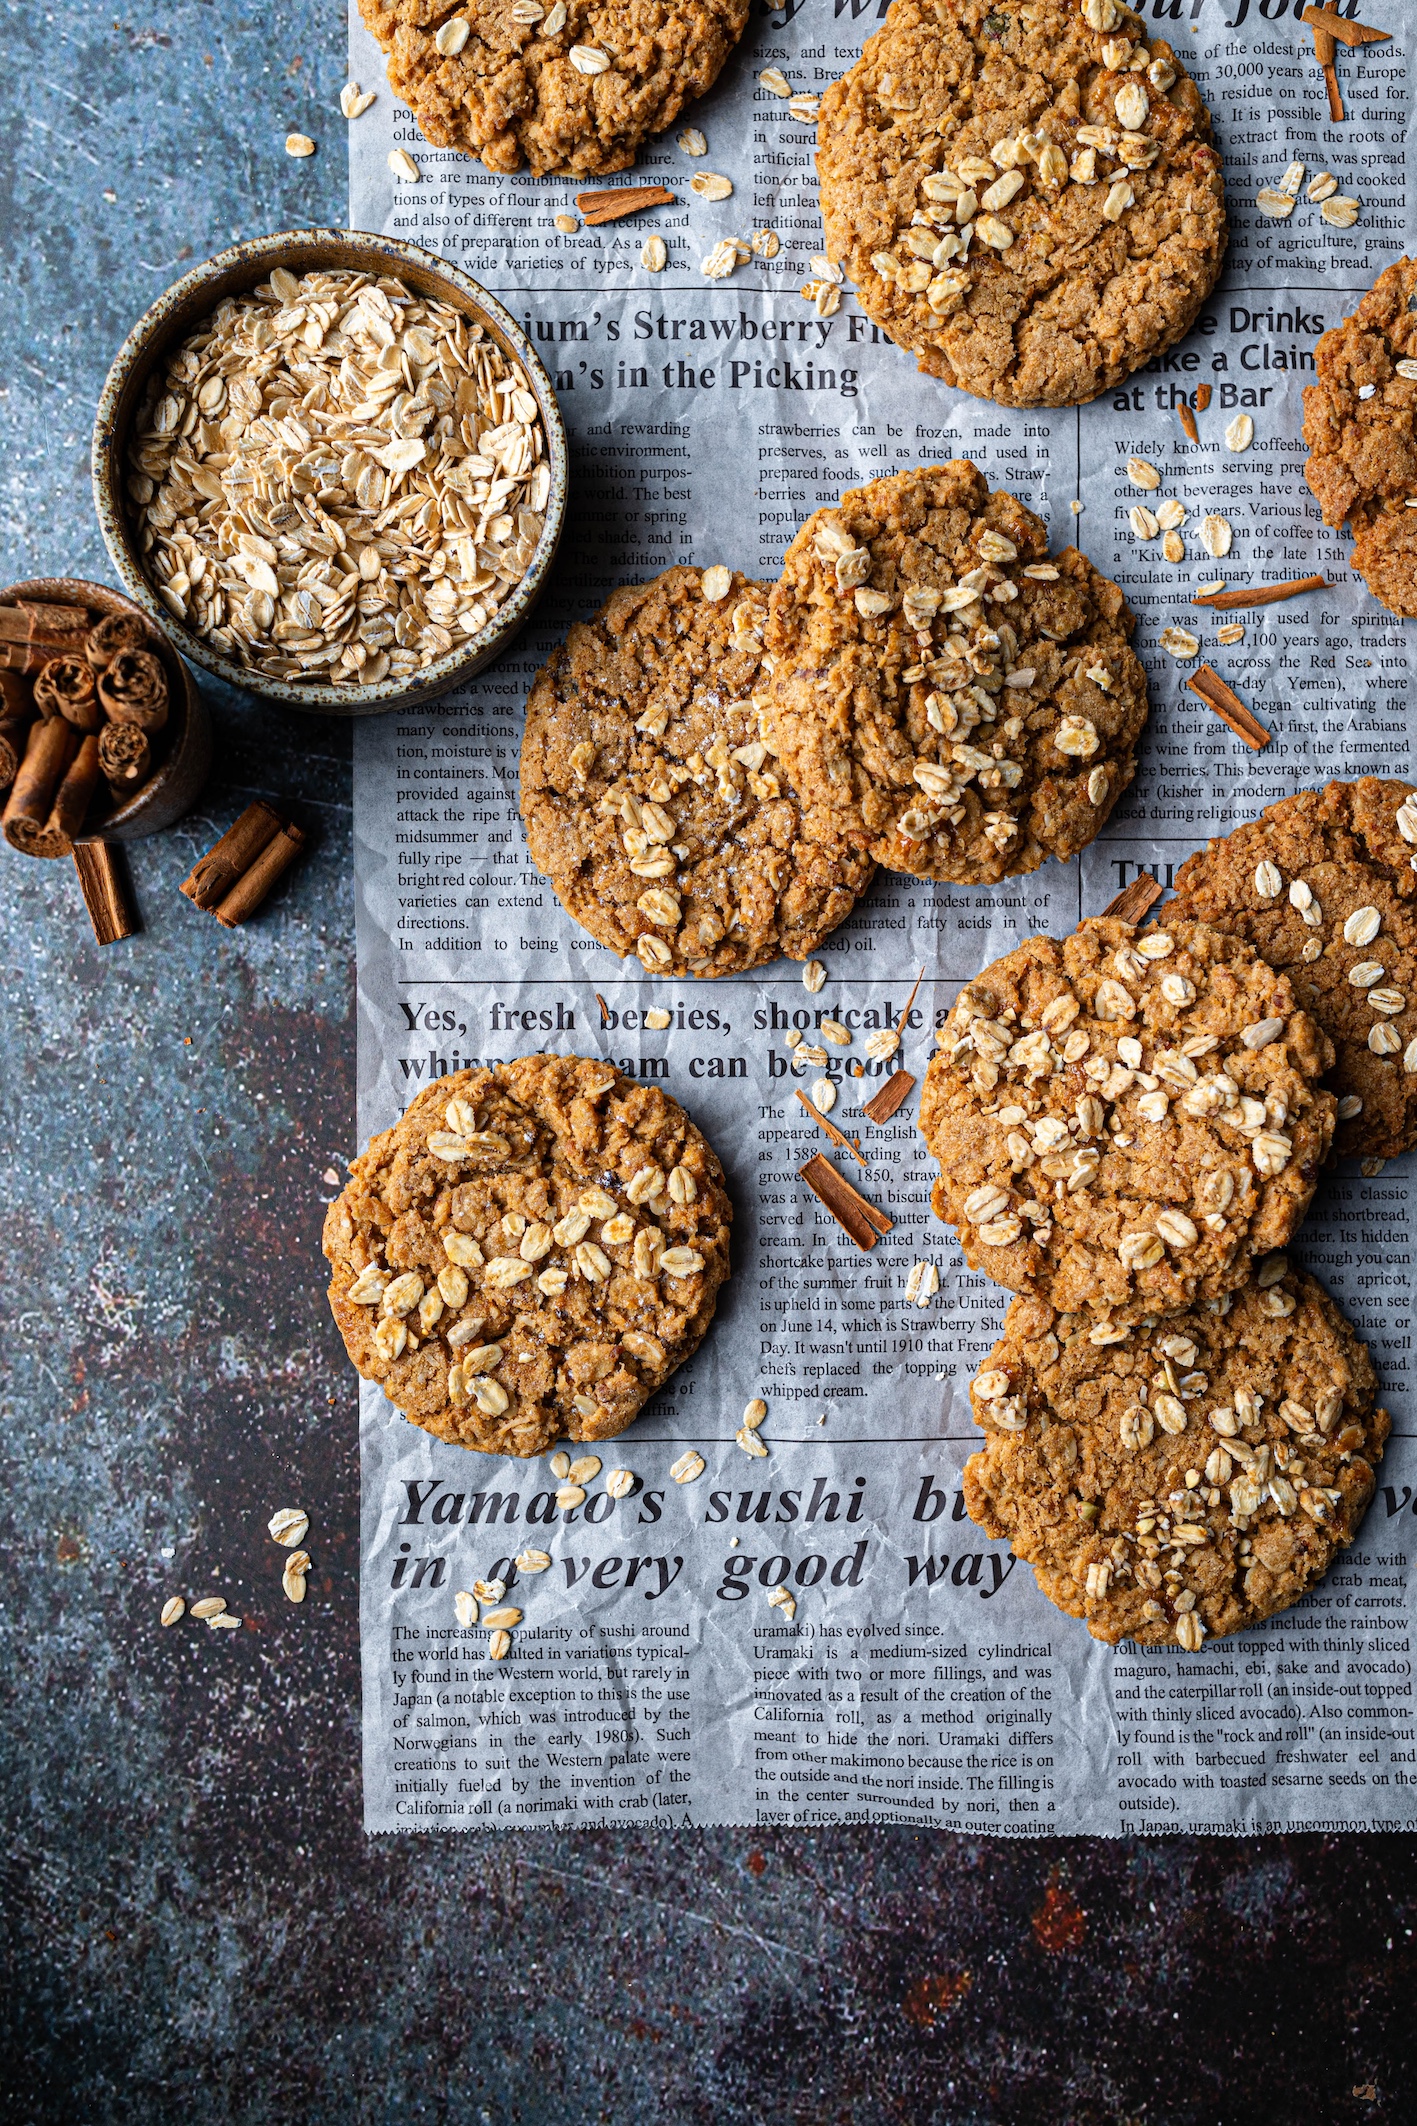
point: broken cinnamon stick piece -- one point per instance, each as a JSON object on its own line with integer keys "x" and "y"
{"x": 1260, "y": 594}
{"x": 1336, "y": 111}
{"x": 843, "y": 1143}
{"x": 50, "y": 749}
{"x": 213, "y": 875}
{"x": 1228, "y": 707}
{"x": 604, "y": 1007}
{"x": 1324, "y": 20}
{"x": 1188, "y": 421}
{"x": 133, "y": 689}
{"x": 883, "y": 1104}
{"x": 105, "y": 891}
{"x": 858, "y": 1219}
{"x": 1203, "y": 397}
{"x": 252, "y": 887}
{"x": 1134, "y": 901}
{"x": 614, "y": 203}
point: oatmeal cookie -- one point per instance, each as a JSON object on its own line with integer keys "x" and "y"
{"x": 1123, "y": 1120}
{"x": 529, "y": 1253}
{"x": 969, "y": 705}
{"x": 1360, "y": 423}
{"x": 651, "y": 801}
{"x": 1322, "y": 886}
{"x": 573, "y": 87}
{"x": 1179, "y": 1480}
{"x": 1025, "y": 197}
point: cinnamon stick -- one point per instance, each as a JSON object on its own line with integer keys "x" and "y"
{"x": 115, "y": 633}
{"x": 105, "y": 891}
{"x": 66, "y": 688}
{"x": 842, "y": 1142}
{"x": 1323, "y": 21}
{"x": 615, "y": 203}
{"x": 31, "y": 657}
{"x": 1188, "y": 421}
{"x": 16, "y": 698}
{"x": 27, "y": 620}
{"x": 50, "y": 750}
{"x": 133, "y": 689}
{"x": 1260, "y": 594}
{"x": 125, "y": 757}
{"x": 214, "y": 875}
{"x": 13, "y": 733}
{"x": 252, "y": 887}
{"x": 1228, "y": 707}
{"x": 883, "y": 1104}
{"x": 604, "y": 1007}
{"x": 858, "y": 1219}
{"x": 71, "y": 799}
{"x": 1203, "y": 397}
{"x": 1336, "y": 111}
{"x": 1133, "y": 902}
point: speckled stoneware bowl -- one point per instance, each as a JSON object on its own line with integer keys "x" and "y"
{"x": 181, "y": 775}
{"x": 177, "y": 313}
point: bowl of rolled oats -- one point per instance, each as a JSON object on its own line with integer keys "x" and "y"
{"x": 331, "y": 467}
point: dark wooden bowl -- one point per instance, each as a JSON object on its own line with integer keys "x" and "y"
{"x": 180, "y": 776}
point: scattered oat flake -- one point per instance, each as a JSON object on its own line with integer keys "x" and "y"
{"x": 403, "y": 165}
{"x": 225, "y": 1622}
{"x": 499, "y": 1646}
{"x": 585, "y": 1469}
{"x": 567, "y": 224}
{"x": 654, "y": 255}
{"x": 1322, "y": 187}
{"x": 1180, "y": 642}
{"x": 465, "y": 1609}
{"x": 561, "y": 1464}
{"x": 750, "y": 1443}
{"x": 1292, "y": 179}
{"x": 922, "y": 1284}
{"x": 1142, "y": 473}
{"x": 299, "y": 145}
{"x": 1215, "y": 536}
{"x": 779, "y": 1598}
{"x": 290, "y": 1526}
{"x": 806, "y": 109}
{"x": 814, "y": 976}
{"x": 1233, "y": 631}
{"x": 1171, "y": 515}
{"x": 1277, "y": 205}
{"x": 355, "y": 101}
{"x": 1205, "y": 590}
{"x": 766, "y": 243}
{"x": 620, "y": 1483}
{"x": 823, "y": 1095}
{"x": 1076, "y": 507}
{"x": 657, "y": 1018}
{"x": 716, "y": 582}
{"x": 1340, "y": 213}
{"x": 1240, "y": 433}
{"x": 489, "y": 1590}
{"x": 688, "y": 1468}
{"x": 692, "y": 141}
{"x": 209, "y": 1606}
{"x": 501, "y": 1619}
{"x": 173, "y": 1610}
{"x": 1144, "y": 524}
{"x": 773, "y": 78}
{"x": 710, "y": 185}
{"x": 720, "y": 262}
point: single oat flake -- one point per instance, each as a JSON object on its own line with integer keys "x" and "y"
{"x": 290, "y": 1526}
{"x": 1180, "y": 642}
{"x": 404, "y": 167}
{"x": 620, "y": 1483}
{"x": 299, "y": 145}
{"x": 692, "y": 141}
{"x": 465, "y": 1610}
{"x": 1142, "y": 473}
{"x": 173, "y": 1610}
{"x": 774, "y": 80}
{"x": 1240, "y": 433}
{"x": 710, "y": 185}
{"x": 689, "y": 1467}
{"x": 654, "y": 256}
{"x": 355, "y": 101}
{"x": 814, "y": 976}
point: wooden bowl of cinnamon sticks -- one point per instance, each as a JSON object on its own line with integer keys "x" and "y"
{"x": 103, "y": 733}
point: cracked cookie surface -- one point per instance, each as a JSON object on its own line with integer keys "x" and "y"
{"x": 1189, "y": 1476}
{"x": 651, "y": 800}
{"x": 571, "y": 85}
{"x": 1125, "y": 1118}
{"x": 969, "y": 704}
{"x": 1028, "y": 203}
{"x": 529, "y": 1253}
{"x": 1360, "y": 423}
{"x": 1322, "y": 886}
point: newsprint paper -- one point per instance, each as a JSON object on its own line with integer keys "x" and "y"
{"x": 924, "y": 1679}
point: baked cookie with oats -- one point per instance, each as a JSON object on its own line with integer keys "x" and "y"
{"x": 1026, "y": 197}
{"x": 1179, "y": 1480}
{"x": 968, "y": 705}
{"x": 651, "y": 800}
{"x": 1323, "y": 886}
{"x": 1125, "y": 1118}
{"x": 564, "y": 85}
{"x": 529, "y": 1253}
{"x": 1360, "y": 423}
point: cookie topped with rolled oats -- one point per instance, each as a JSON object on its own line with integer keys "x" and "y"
{"x": 1176, "y": 1481}
{"x": 969, "y": 704}
{"x": 1324, "y": 886}
{"x": 569, "y": 85}
{"x": 1360, "y": 423}
{"x": 1125, "y": 1118}
{"x": 650, "y": 797}
{"x": 1026, "y": 198}
{"x": 529, "y": 1253}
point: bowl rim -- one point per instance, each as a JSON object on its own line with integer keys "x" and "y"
{"x": 146, "y": 797}
{"x": 260, "y": 256}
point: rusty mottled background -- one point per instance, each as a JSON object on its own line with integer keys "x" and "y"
{"x": 195, "y": 1928}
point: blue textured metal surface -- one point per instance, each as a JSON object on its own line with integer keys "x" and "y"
{"x": 194, "y": 1927}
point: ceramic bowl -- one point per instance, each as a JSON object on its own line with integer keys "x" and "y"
{"x": 171, "y": 320}
{"x": 180, "y": 776}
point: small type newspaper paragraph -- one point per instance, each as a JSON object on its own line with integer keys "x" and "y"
{"x": 919, "y": 1676}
